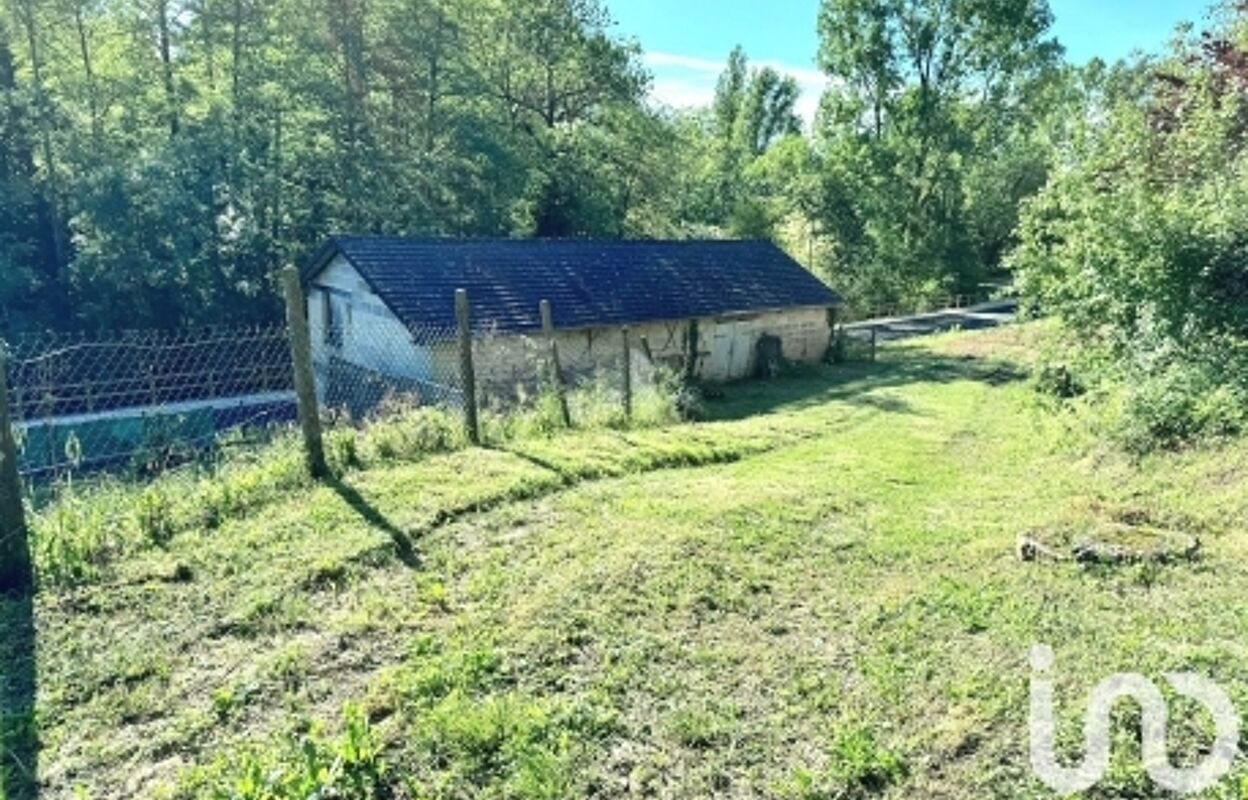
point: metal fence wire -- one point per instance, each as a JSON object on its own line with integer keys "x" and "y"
{"x": 142, "y": 400}
{"x": 143, "y": 403}
{"x": 370, "y": 365}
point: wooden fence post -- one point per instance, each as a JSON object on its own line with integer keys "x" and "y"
{"x": 15, "y": 567}
{"x": 645, "y": 349}
{"x": 628, "y": 374}
{"x": 305, "y": 381}
{"x": 548, "y": 328}
{"x": 874, "y": 335}
{"x": 691, "y": 352}
{"x": 467, "y": 373}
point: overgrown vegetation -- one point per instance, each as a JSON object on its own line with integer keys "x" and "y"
{"x": 1138, "y": 246}
{"x": 81, "y": 525}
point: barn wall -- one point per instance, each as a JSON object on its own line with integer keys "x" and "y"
{"x": 726, "y": 348}
{"x": 373, "y": 338}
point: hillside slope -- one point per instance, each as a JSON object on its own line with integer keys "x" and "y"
{"x": 816, "y": 595}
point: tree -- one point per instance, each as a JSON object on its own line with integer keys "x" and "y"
{"x": 1138, "y": 244}
{"x": 929, "y": 105}
{"x": 159, "y": 159}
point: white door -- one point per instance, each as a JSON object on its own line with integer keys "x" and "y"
{"x": 718, "y": 368}
{"x": 742, "y": 349}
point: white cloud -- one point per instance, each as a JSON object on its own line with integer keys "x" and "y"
{"x": 684, "y": 62}
{"x": 679, "y": 93}
{"x": 689, "y": 82}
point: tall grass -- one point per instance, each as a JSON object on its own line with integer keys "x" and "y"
{"x": 81, "y": 526}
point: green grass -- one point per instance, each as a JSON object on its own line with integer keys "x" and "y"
{"x": 812, "y": 595}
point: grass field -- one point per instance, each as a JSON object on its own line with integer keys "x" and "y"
{"x": 813, "y": 595}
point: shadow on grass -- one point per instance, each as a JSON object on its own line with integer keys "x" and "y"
{"x": 19, "y": 738}
{"x": 537, "y": 461}
{"x": 403, "y": 546}
{"x": 855, "y": 383}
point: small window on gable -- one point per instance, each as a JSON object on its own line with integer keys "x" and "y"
{"x": 332, "y": 318}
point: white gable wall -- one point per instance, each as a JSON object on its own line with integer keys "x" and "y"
{"x": 372, "y": 337}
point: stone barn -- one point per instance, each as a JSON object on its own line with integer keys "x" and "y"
{"x": 386, "y": 305}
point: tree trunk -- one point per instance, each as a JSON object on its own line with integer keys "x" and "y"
{"x": 88, "y": 71}
{"x": 276, "y": 249}
{"x": 236, "y": 55}
{"x": 51, "y": 189}
{"x": 166, "y": 66}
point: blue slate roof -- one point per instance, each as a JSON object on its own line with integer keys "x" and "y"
{"x": 588, "y": 283}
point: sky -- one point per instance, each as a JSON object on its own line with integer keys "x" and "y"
{"x": 687, "y": 41}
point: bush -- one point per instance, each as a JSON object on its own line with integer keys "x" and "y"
{"x": 1155, "y": 398}
{"x": 596, "y": 404}
{"x": 1137, "y": 245}
{"x": 409, "y": 433}
{"x": 1178, "y": 405}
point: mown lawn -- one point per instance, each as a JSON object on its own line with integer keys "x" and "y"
{"x": 815, "y": 595}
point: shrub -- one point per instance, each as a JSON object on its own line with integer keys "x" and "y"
{"x": 597, "y": 404}
{"x": 1179, "y": 404}
{"x": 79, "y": 531}
{"x": 399, "y": 432}
{"x": 1137, "y": 245}
{"x": 154, "y": 512}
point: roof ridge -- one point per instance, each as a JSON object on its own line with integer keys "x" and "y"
{"x": 340, "y": 237}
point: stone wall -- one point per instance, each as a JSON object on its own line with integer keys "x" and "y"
{"x": 726, "y": 349}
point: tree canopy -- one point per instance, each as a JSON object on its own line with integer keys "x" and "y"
{"x": 1139, "y": 241}
{"x": 160, "y": 159}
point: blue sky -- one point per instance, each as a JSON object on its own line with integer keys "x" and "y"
{"x": 686, "y": 41}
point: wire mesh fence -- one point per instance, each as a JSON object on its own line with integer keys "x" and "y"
{"x": 366, "y": 366}
{"x": 146, "y": 403}
{"x": 854, "y": 312}
{"x": 141, "y": 401}
{"x": 120, "y": 442}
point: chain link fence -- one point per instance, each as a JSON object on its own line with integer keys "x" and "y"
{"x": 371, "y": 366}
{"x": 856, "y": 312}
{"x": 113, "y": 443}
{"x": 141, "y": 404}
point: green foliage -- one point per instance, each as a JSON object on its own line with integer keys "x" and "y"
{"x": 252, "y": 129}
{"x": 306, "y": 765}
{"x": 155, "y": 515}
{"x": 79, "y": 532}
{"x": 1138, "y": 247}
{"x": 857, "y": 767}
{"x": 406, "y": 434}
{"x": 78, "y": 529}
{"x": 598, "y": 403}
{"x": 858, "y": 761}
{"x": 159, "y": 161}
{"x": 562, "y": 636}
{"x": 932, "y": 135}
